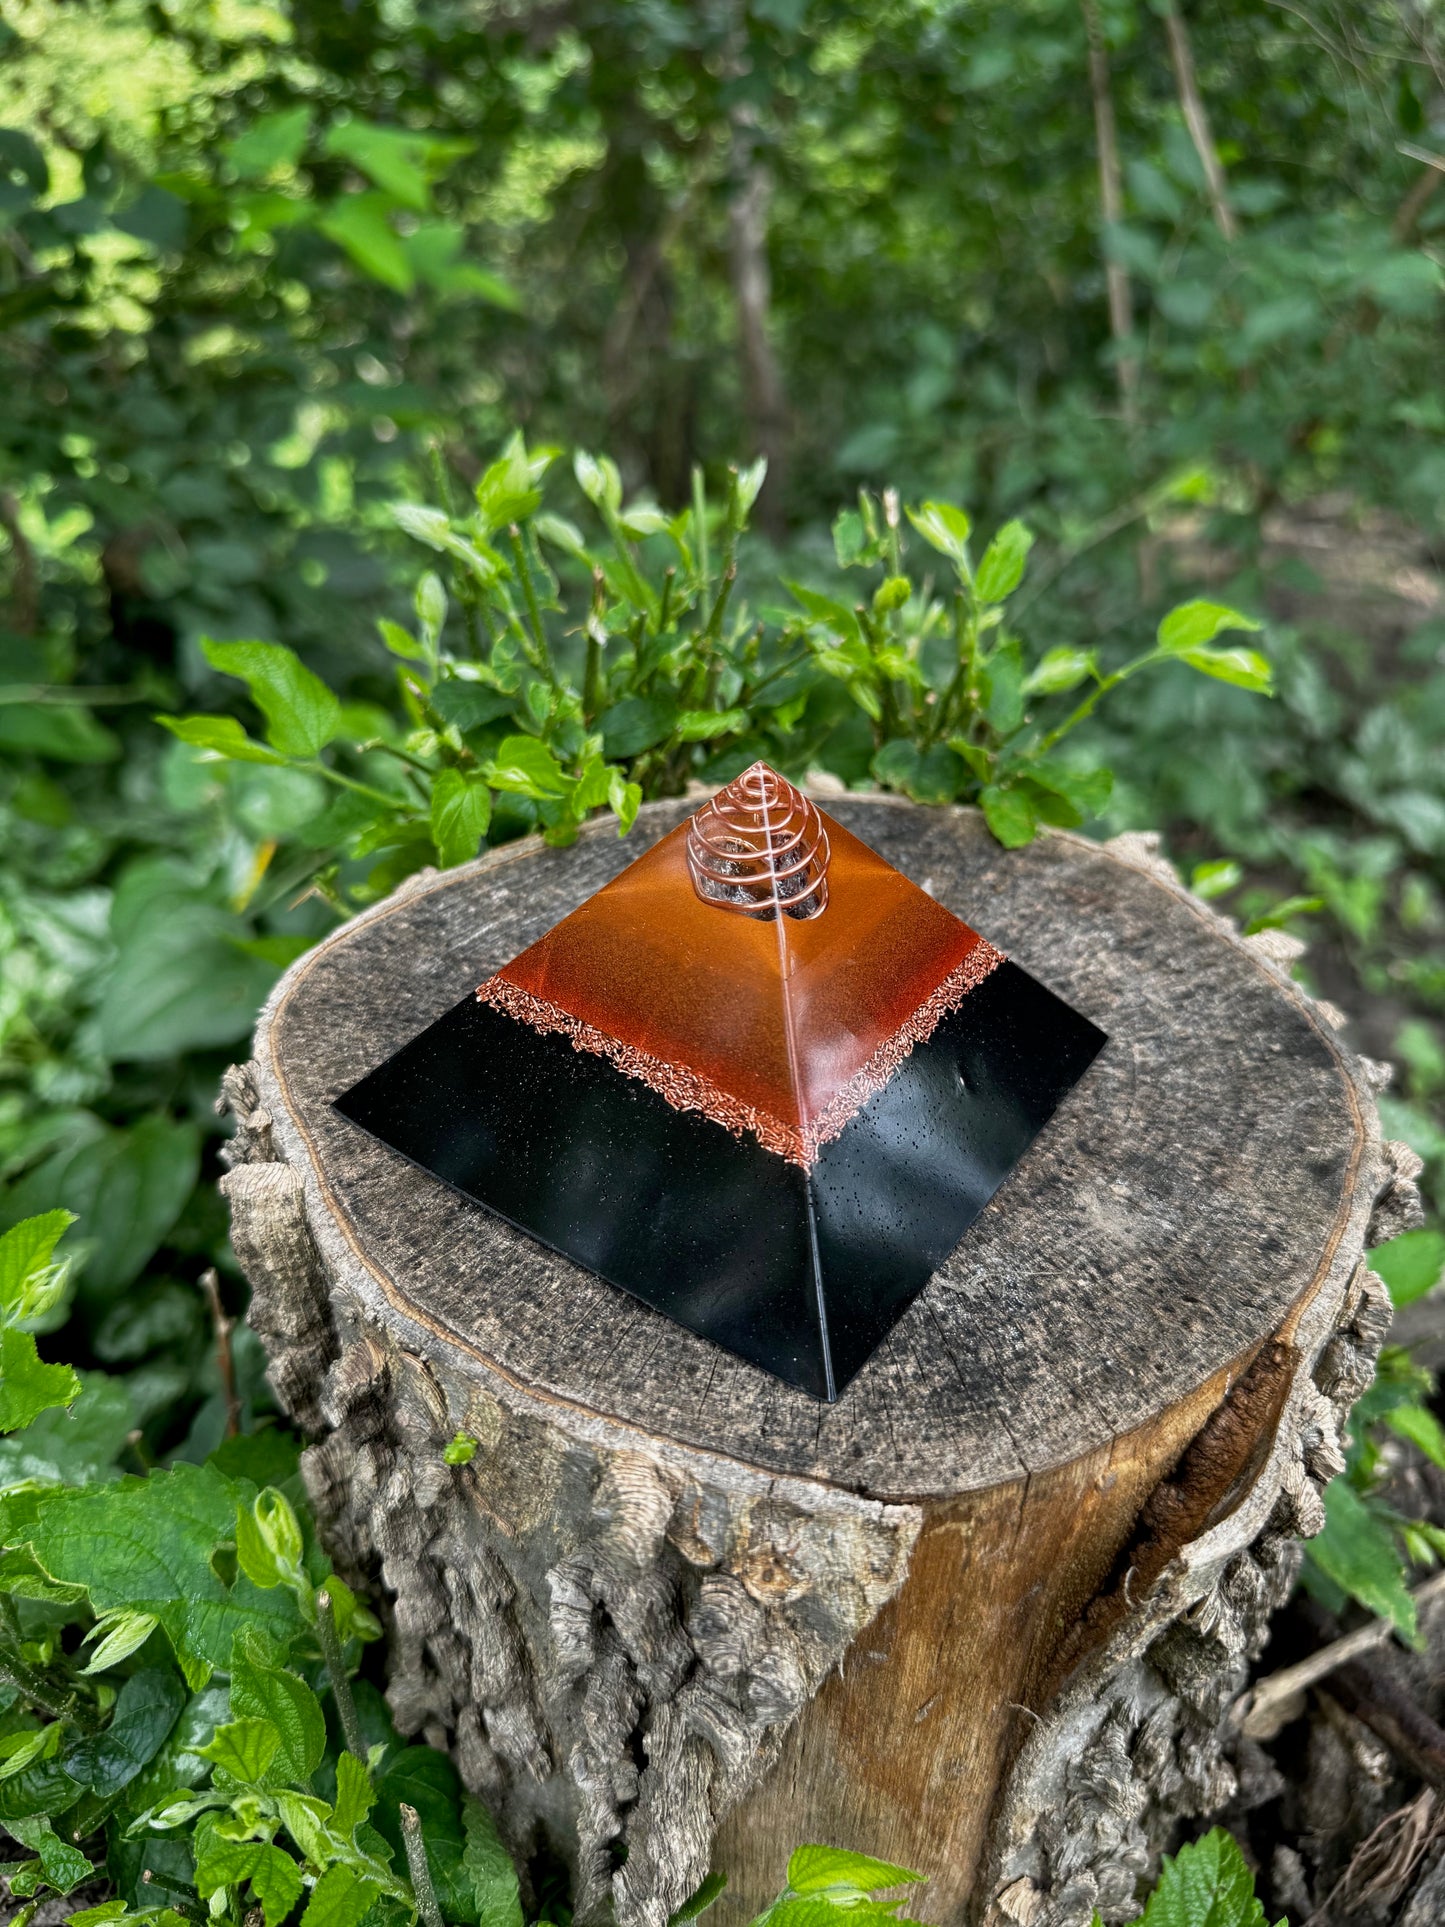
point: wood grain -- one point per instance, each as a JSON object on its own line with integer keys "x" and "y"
{"x": 1154, "y": 1235}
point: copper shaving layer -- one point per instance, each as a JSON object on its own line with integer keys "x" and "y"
{"x": 689, "y": 1090}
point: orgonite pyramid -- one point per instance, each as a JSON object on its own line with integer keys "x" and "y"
{"x": 760, "y": 1080}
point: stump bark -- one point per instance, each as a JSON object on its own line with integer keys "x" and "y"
{"x": 983, "y": 1617}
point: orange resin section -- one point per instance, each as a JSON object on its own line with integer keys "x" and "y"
{"x": 781, "y": 1027}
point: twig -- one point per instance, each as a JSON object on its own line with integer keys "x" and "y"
{"x": 179, "y": 1900}
{"x": 336, "y": 1671}
{"x": 14, "y": 1673}
{"x": 426, "y": 1895}
{"x": 1111, "y": 205}
{"x": 1384, "y": 1861}
{"x": 211, "y": 1286}
{"x": 1415, "y": 202}
{"x": 25, "y": 587}
{"x": 1196, "y": 119}
{"x": 1271, "y": 1703}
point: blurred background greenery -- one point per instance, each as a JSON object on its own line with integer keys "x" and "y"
{"x": 1166, "y": 286}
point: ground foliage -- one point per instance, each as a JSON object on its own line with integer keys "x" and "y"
{"x": 277, "y": 286}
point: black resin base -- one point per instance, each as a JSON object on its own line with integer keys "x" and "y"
{"x": 802, "y": 1273}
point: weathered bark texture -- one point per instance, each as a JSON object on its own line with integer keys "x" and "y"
{"x": 986, "y": 1614}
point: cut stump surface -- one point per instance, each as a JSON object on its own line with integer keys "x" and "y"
{"x": 670, "y": 1595}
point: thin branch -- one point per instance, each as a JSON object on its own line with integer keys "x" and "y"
{"x": 336, "y": 1673}
{"x": 1273, "y": 1702}
{"x": 223, "y": 1327}
{"x": 1111, "y": 206}
{"x": 25, "y": 587}
{"x": 1196, "y": 120}
{"x": 426, "y": 1894}
{"x": 1407, "y": 216}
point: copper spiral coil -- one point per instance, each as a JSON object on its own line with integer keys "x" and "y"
{"x": 759, "y": 848}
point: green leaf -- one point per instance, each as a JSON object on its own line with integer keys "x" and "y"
{"x": 1060, "y": 670}
{"x": 1245, "y": 668}
{"x": 461, "y": 1450}
{"x": 933, "y": 775}
{"x": 128, "y": 1188}
{"x": 274, "y": 1877}
{"x": 1215, "y": 879}
{"x": 814, "y": 1869}
{"x": 302, "y": 715}
{"x": 269, "y": 1542}
{"x": 711, "y": 1888}
{"x": 1357, "y": 1552}
{"x": 488, "y": 1869}
{"x": 147, "y": 1707}
{"x": 1004, "y": 560}
{"x": 850, "y": 539}
{"x": 1010, "y": 815}
{"x": 705, "y": 725}
{"x": 355, "y": 1795}
{"x": 1206, "y": 1884}
{"x": 1001, "y": 685}
{"x": 287, "y": 1703}
{"x": 1419, "y": 1425}
{"x": 461, "y": 809}
{"x": 29, "y": 1387}
{"x": 245, "y": 1750}
{"x": 624, "y": 799}
{"x": 1085, "y": 791}
{"x": 275, "y": 140}
{"x": 508, "y": 491}
{"x": 947, "y": 528}
{"x": 1410, "y": 1265}
{"x": 437, "y": 250}
{"x": 148, "y": 1544}
{"x": 1193, "y": 624}
{"x": 1282, "y": 913}
{"x": 361, "y": 225}
{"x": 219, "y": 736}
{"x": 526, "y": 767}
{"x": 599, "y": 480}
{"x": 75, "y": 1446}
{"x": 66, "y": 733}
{"x": 635, "y": 724}
{"x": 400, "y": 641}
{"x": 64, "y": 1866}
{"x": 121, "y": 1634}
{"x": 340, "y": 1898}
{"x": 22, "y": 1749}
{"x": 29, "y": 1282}
{"x": 401, "y": 162}
{"x": 836, "y": 616}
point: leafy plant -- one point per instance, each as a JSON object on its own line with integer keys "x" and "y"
{"x": 1367, "y": 1548}
{"x": 519, "y": 704}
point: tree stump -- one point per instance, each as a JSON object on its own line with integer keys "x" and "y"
{"x": 983, "y": 1617}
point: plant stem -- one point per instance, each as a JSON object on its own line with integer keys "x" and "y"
{"x": 318, "y": 768}
{"x": 699, "y": 532}
{"x": 336, "y": 1673}
{"x": 1089, "y": 702}
{"x": 542, "y": 661}
{"x": 426, "y": 1897}
{"x": 226, "y": 1364}
{"x": 961, "y": 683}
{"x": 14, "y": 1672}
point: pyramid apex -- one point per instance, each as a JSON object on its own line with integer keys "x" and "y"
{"x": 759, "y": 848}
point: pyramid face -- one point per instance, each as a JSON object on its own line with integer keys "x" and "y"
{"x": 760, "y": 1080}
